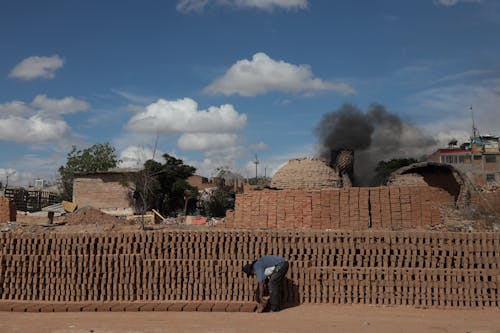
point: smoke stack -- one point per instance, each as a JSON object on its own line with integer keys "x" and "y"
{"x": 373, "y": 136}
{"x": 342, "y": 160}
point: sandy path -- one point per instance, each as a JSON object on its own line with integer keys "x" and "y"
{"x": 305, "y": 318}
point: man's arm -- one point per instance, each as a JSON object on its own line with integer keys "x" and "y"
{"x": 260, "y": 297}
{"x": 261, "y": 291}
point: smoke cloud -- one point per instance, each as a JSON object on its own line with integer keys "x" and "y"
{"x": 374, "y": 136}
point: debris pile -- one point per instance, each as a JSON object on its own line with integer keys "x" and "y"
{"x": 90, "y": 215}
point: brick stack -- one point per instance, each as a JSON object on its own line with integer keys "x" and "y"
{"x": 7, "y": 210}
{"x": 196, "y": 270}
{"x": 354, "y": 208}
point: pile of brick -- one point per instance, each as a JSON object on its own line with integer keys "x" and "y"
{"x": 142, "y": 270}
{"x": 7, "y": 210}
{"x": 354, "y": 208}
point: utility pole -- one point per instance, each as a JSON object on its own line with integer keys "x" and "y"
{"x": 256, "y": 162}
{"x": 7, "y": 178}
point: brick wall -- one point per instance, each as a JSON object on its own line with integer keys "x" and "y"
{"x": 7, "y": 210}
{"x": 430, "y": 269}
{"x": 354, "y": 208}
{"x": 103, "y": 191}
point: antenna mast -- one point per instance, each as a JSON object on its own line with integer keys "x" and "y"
{"x": 474, "y": 128}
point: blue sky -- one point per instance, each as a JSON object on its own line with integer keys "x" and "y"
{"x": 215, "y": 82}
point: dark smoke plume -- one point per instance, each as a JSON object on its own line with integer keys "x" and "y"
{"x": 374, "y": 136}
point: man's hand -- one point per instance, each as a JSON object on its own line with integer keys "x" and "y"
{"x": 260, "y": 308}
{"x": 262, "y": 304}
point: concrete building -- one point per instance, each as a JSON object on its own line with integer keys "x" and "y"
{"x": 479, "y": 160}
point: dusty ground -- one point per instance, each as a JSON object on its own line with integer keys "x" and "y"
{"x": 305, "y": 318}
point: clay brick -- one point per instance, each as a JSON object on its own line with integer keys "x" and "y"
{"x": 205, "y": 307}
{"x": 177, "y": 306}
{"x": 233, "y": 307}
{"x": 248, "y": 307}
{"x": 219, "y": 307}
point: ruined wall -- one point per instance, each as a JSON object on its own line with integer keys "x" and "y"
{"x": 428, "y": 269}
{"x": 7, "y": 210}
{"x": 355, "y": 208}
{"x": 103, "y": 191}
{"x": 488, "y": 201}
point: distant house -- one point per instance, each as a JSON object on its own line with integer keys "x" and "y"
{"x": 200, "y": 182}
{"x": 110, "y": 191}
{"x": 479, "y": 160}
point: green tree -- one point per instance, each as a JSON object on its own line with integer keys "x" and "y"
{"x": 98, "y": 157}
{"x": 165, "y": 187}
{"x": 385, "y": 168}
{"x": 219, "y": 201}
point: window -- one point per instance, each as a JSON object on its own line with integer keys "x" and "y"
{"x": 490, "y": 177}
{"x": 450, "y": 159}
{"x": 491, "y": 158}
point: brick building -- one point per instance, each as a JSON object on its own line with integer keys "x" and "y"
{"x": 479, "y": 160}
{"x": 110, "y": 191}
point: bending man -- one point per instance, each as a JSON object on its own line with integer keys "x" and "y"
{"x": 270, "y": 269}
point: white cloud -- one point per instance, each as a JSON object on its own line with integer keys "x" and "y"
{"x": 269, "y": 165}
{"x": 37, "y": 67}
{"x": 40, "y": 122}
{"x": 258, "y": 146}
{"x": 60, "y": 106}
{"x": 448, "y": 3}
{"x": 32, "y": 166}
{"x": 132, "y": 97}
{"x": 447, "y": 108}
{"x": 183, "y": 116}
{"x": 34, "y": 129}
{"x": 224, "y": 157}
{"x": 15, "y": 108}
{"x": 16, "y": 178}
{"x": 263, "y": 74}
{"x": 271, "y": 4}
{"x": 206, "y": 141}
{"x": 135, "y": 156}
{"x": 189, "y": 6}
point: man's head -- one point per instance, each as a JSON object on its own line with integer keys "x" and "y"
{"x": 248, "y": 269}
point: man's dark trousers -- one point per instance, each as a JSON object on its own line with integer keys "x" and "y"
{"x": 275, "y": 281}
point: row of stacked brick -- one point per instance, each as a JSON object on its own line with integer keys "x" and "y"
{"x": 348, "y": 208}
{"x": 413, "y": 268}
{"x": 411, "y": 249}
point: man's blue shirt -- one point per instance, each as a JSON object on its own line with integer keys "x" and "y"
{"x": 264, "y": 262}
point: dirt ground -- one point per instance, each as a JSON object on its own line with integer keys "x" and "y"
{"x": 304, "y": 318}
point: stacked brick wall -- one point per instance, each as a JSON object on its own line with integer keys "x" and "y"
{"x": 354, "y": 208}
{"x": 7, "y": 210}
{"x": 192, "y": 267}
